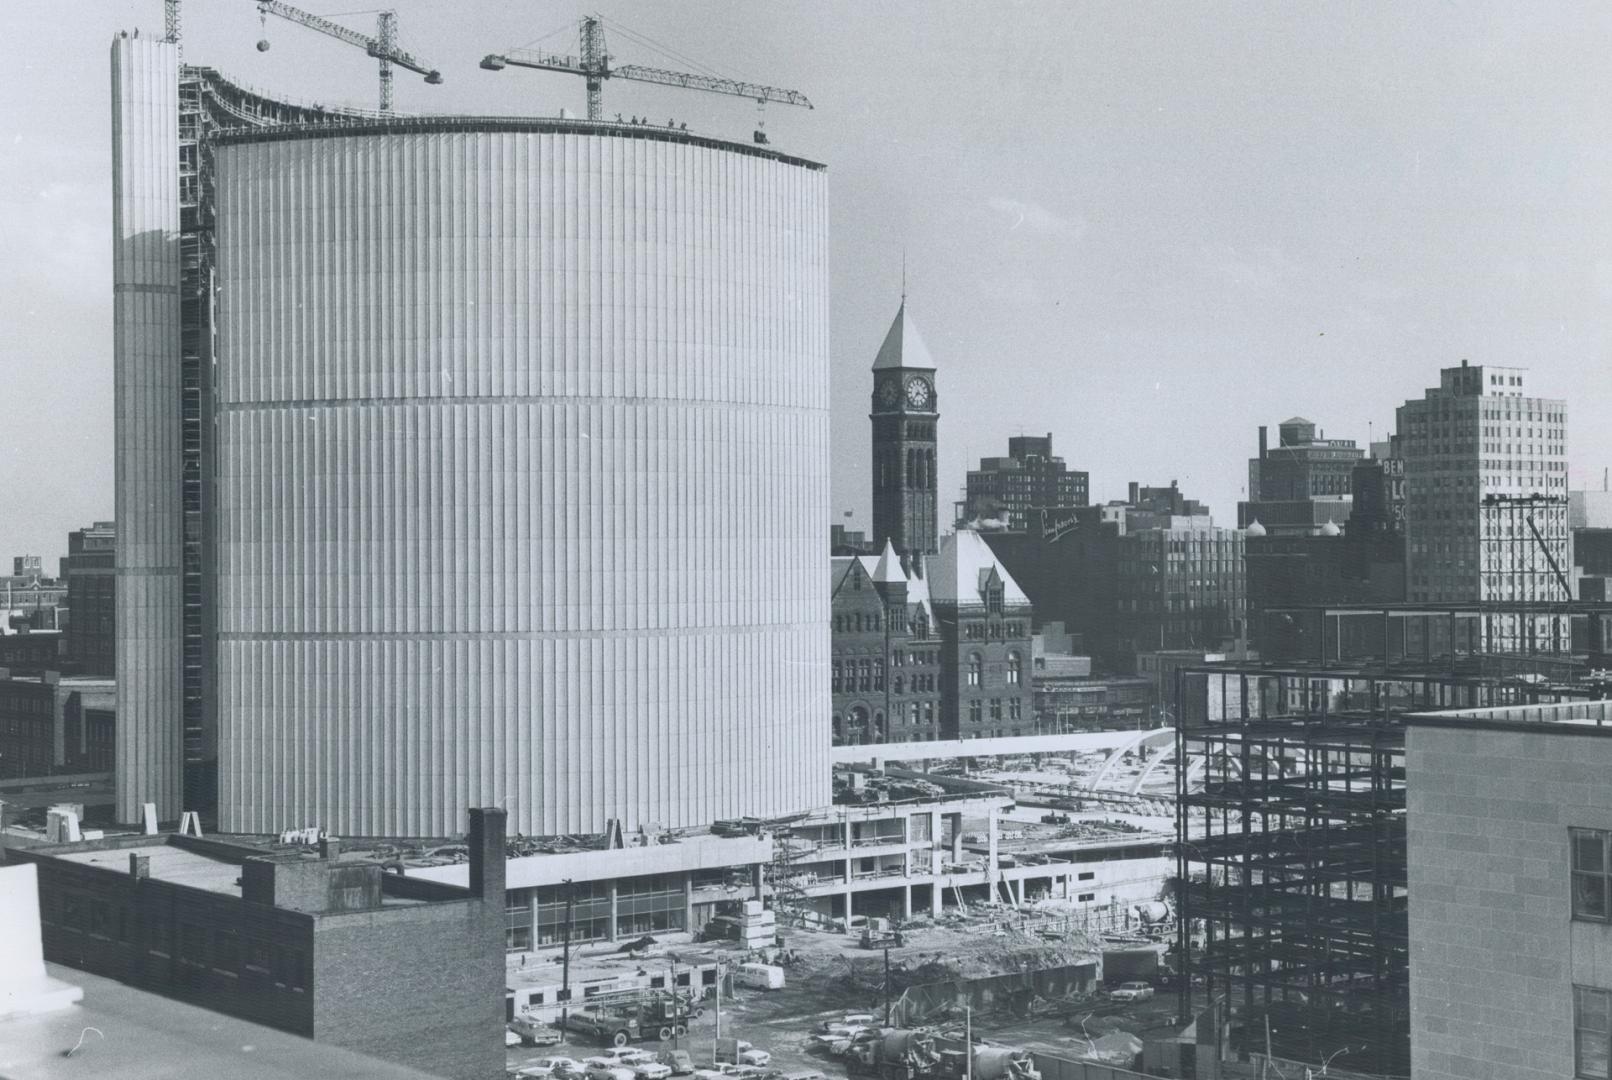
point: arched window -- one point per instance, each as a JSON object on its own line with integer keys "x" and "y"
{"x": 836, "y": 678}
{"x": 839, "y": 732}
{"x": 865, "y": 673}
{"x": 1015, "y": 669}
{"x": 899, "y": 685}
{"x": 976, "y": 669}
{"x": 858, "y": 717}
{"x": 878, "y": 727}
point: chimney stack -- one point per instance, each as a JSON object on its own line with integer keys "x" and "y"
{"x": 487, "y": 853}
{"x": 330, "y": 847}
{"x": 1262, "y": 442}
{"x": 139, "y": 866}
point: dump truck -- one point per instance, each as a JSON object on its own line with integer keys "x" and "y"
{"x": 604, "y": 1027}
{"x": 892, "y": 1054}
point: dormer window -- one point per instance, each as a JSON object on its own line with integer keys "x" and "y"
{"x": 993, "y": 597}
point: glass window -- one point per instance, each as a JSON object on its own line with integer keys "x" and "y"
{"x": 1592, "y": 1030}
{"x": 976, "y": 669}
{"x": 1589, "y": 873}
{"x": 1015, "y": 669}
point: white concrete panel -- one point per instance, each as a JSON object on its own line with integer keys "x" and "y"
{"x": 522, "y": 469}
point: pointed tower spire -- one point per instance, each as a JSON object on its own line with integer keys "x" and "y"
{"x": 902, "y": 347}
{"x": 889, "y": 565}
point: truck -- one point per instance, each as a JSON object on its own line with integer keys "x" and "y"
{"x": 1141, "y": 964}
{"x": 629, "y": 1017}
{"x": 990, "y": 1063}
{"x": 892, "y": 1054}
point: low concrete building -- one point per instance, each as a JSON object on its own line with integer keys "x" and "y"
{"x": 1510, "y": 863}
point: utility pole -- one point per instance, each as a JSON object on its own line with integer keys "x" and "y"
{"x": 968, "y": 1041}
{"x": 887, "y": 986}
{"x": 565, "y": 961}
{"x": 716, "y": 1039}
{"x": 677, "y": 1003}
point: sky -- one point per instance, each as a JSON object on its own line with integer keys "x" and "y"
{"x": 1146, "y": 228}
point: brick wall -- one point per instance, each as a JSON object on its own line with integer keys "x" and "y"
{"x": 1494, "y": 952}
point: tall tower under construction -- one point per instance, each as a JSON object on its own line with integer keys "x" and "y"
{"x": 467, "y": 461}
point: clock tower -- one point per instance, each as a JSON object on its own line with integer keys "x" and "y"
{"x": 905, "y": 414}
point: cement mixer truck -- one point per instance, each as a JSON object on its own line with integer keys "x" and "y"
{"x": 990, "y": 1063}
{"x": 892, "y": 1054}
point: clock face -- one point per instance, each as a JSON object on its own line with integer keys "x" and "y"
{"x": 890, "y": 392}
{"x": 917, "y": 393}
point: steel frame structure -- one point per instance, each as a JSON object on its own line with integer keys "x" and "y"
{"x": 1291, "y": 856}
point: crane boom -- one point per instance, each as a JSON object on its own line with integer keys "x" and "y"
{"x": 594, "y": 65}
{"x": 571, "y": 65}
{"x": 383, "y": 47}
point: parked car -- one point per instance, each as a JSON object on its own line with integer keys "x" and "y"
{"x": 510, "y": 1038}
{"x": 755, "y": 1056}
{"x": 677, "y": 1060}
{"x": 651, "y": 1070}
{"x": 603, "y": 1069}
{"x": 552, "y": 1068}
{"x": 1132, "y": 991}
{"x": 533, "y": 1032}
{"x": 625, "y": 1055}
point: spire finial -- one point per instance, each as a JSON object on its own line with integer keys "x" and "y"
{"x": 903, "y": 276}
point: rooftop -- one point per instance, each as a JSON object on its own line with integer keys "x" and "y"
{"x": 168, "y": 863}
{"x": 902, "y": 347}
{"x": 118, "y": 1030}
{"x": 1573, "y": 717}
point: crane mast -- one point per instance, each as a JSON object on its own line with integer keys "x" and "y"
{"x": 594, "y": 65}
{"x": 383, "y": 46}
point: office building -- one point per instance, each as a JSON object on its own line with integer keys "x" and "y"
{"x": 1030, "y": 478}
{"x": 1069, "y": 698}
{"x": 50, "y": 724}
{"x": 1510, "y": 858}
{"x": 1590, "y": 518}
{"x": 1486, "y": 499}
{"x": 1153, "y": 572}
{"x": 1301, "y": 484}
{"x": 905, "y": 416}
{"x": 885, "y": 652}
{"x": 91, "y": 572}
{"x": 27, "y": 566}
{"x": 440, "y": 515}
{"x": 329, "y": 948}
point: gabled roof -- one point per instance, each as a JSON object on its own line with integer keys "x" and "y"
{"x": 902, "y": 347}
{"x": 957, "y": 575}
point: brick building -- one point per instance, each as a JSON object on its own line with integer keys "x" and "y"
{"x": 885, "y": 652}
{"x": 91, "y": 572}
{"x": 50, "y": 724}
{"x": 984, "y": 621}
{"x": 1510, "y": 875}
{"x": 905, "y": 417}
{"x": 1029, "y": 478}
{"x": 332, "y": 949}
{"x": 1302, "y": 483}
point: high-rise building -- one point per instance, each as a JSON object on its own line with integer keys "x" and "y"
{"x": 1300, "y": 484}
{"x": 493, "y": 501}
{"x": 905, "y": 415}
{"x": 1029, "y": 478}
{"x": 1486, "y": 499}
{"x": 91, "y": 570}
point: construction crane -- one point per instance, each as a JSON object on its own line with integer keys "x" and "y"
{"x": 170, "y": 22}
{"x": 383, "y": 46}
{"x": 594, "y": 65}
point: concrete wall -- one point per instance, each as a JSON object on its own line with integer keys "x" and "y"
{"x": 146, "y": 439}
{"x": 522, "y": 470}
{"x": 1494, "y": 952}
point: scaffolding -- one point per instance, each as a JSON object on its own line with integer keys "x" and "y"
{"x": 1290, "y": 853}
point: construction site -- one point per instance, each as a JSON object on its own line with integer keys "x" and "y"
{"x": 1291, "y": 848}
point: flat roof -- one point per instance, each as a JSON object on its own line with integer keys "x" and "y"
{"x": 340, "y": 126}
{"x": 168, "y": 863}
{"x": 1566, "y": 718}
{"x": 120, "y": 1031}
